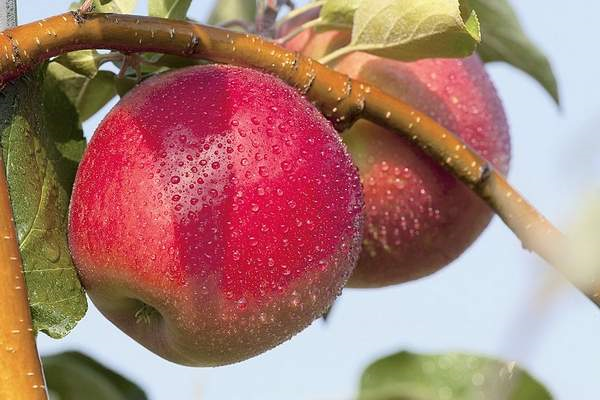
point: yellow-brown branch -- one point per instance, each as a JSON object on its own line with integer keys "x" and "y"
{"x": 341, "y": 99}
{"x": 21, "y": 375}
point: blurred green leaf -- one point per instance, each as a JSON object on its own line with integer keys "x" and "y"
{"x": 338, "y": 14}
{"x": 503, "y": 39}
{"x": 75, "y": 376}
{"x": 88, "y": 96}
{"x": 172, "y": 61}
{"x": 84, "y": 62}
{"x": 124, "y": 85}
{"x": 409, "y": 376}
{"x": 42, "y": 143}
{"x": 96, "y": 94}
{"x": 412, "y": 29}
{"x": 231, "y": 10}
{"x": 173, "y": 9}
{"x": 115, "y": 6}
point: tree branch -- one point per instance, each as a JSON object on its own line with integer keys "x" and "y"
{"x": 21, "y": 376}
{"x": 341, "y": 99}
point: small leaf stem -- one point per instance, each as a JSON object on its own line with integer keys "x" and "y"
{"x": 334, "y": 55}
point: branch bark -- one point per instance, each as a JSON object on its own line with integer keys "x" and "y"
{"x": 21, "y": 376}
{"x": 341, "y": 99}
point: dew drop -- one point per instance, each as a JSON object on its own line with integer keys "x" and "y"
{"x": 286, "y": 166}
{"x": 262, "y": 171}
{"x": 242, "y": 303}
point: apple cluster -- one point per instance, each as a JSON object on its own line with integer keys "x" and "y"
{"x": 216, "y": 212}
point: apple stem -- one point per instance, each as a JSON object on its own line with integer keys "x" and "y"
{"x": 341, "y": 99}
{"x": 21, "y": 376}
{"x": 145, "y": 314}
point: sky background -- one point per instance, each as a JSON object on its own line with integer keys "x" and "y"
{"x": 488, "y": 301}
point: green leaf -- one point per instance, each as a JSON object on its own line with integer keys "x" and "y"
{"x": 410, "y": 376}
{"x": 88, "y": 96}
{"x": 42, "y": 142}
{"x": 503, "y": 39}
{"x": 412, "y": 29}
{"x": 115, "y": 6}
{"x": 231, "y": 10}
{"x": 124, "y": 85}
{"x": 338, "y": 14}
{"x": 75, "y": 376}
{"x": 174, "y": 9}
{"x": 83, "y": 62}
{"x": 96, "y": 94}
{"x": 164, "y": 62}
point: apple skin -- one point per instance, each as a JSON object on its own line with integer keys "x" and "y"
{"x": 199, "y": 222}
{"x": 418, "y": 217}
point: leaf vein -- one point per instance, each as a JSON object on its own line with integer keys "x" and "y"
{"x": 39, "y": 303}
{"x": 37, "y": 213}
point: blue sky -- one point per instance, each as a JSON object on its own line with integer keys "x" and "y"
{"x": 489, "y": 301}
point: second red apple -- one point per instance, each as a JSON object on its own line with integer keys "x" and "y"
{"x": 419, "y": 218}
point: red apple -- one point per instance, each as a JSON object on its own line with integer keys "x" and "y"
{"x": 215, "y": 214}
{"x": 418, "y": 217}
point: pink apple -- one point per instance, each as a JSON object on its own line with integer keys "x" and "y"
{"x": 215, "y": 214}
{"x": 418, "y": 218}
